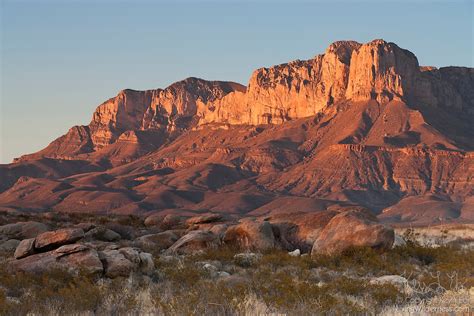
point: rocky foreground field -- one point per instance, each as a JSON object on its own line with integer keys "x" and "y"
{"x": 88, "y": 264}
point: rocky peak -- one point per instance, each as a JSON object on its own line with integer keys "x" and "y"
{"x": 382, "y": 71}
{"x": 343, "y": 50}
{"x": 348, "y": 70}
{"x": 119, "y": 114}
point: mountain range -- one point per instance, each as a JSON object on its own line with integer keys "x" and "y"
{"x": 361, "y": 124}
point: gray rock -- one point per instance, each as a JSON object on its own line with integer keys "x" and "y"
{"x": 25, "y": 248}
{"x": 398, "y": 281}
{"x": 9, "y": 245}
{"x": 398, "y": 241}
{"x": 223, "y": 274}
{"x": 295, "y": 253}
{"x": 157, "y": 242}
{"x": 23, "y": 230}
{"x": 85, "y": 226}
{"x": 74, "y": 258}
{"x": 131, "y": 254}
{"x": 102, "y": 233}
{"x": 196, "y": 240}
{"x": 116, "y": 264}
{"x": 246, "y": 259}
{"x": 147, "y": 265}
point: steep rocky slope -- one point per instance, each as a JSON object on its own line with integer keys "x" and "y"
{"x": 361, "y": 124}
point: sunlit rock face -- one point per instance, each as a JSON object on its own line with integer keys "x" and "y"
{"x": 348, "y": 70}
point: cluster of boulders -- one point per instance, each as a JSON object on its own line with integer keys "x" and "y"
{"x": 98, "y": 249}
{"x": 327, "y": 232}
{"x": 74, "y": 249}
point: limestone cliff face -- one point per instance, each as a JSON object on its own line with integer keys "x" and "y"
{"x": 175, "y": 106}
{"x": 287, "y": 91}
{"x": 119, "y": 114}
{"x": 382, "y": 71}
{"x": 170, "y": 109}
{"x": 451, "y": 87}
{"x": 348, "y": 70}
{"x": 160, "y": 111}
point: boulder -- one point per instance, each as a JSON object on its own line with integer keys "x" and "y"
{"x": 54, "y": 239}
{"x": 116, "y": 264}
{"x": 172, "y": 221}
{"x": 219, "y": 229}
{"x": 353, "y": 228}
{"x": 75, "y": 258}
{"x": 132, "y": 254}
{"x": 147, "y": 265}
{"x": 247, "y": 259}
{"x": 300, "y": 231}
{"x": 103, "y": 234}
{"x": 85, "y": 226}
{"x": 223, "y": 274}
{"x": 9, "y": 245}
{"x": 69, "y": 249}
{"x": 166, "y": 222}
{"x": 157, "y": 242}
{"x": 79, "y": 258}
{"x": 23, "y": 230}
{"x": 25, "y": 248}
{"x": 194, "y": 241}
{"x": 250, "y": 234}
{"x": 125, "y": 231}
{"x": 295, "y": 253}
{"x": 204, "y": 219}
{"x": 154, "y": 220}
{"x": 396, "y": 280}
{"x": 398, "y": 241}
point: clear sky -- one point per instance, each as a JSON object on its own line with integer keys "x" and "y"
{"x": 60, "y": 59}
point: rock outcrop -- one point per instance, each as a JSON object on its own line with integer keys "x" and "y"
{"x": 353, "y": 228}
{"x": 23, "y": 230}
{"x": 348, "y": 70}
{"x": 169, "y": 110}
{"x": 73, "y": 258}
{"x": 194, "y": 241}
{"x": 251, "y": 235}
{"x": 59, "y": 250}
{"x": 157, "y": 242}
{"x": 57, "y": 238}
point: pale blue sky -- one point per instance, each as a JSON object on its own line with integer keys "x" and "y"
{"x": 60, "y": 59}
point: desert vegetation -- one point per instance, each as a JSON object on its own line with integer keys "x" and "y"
{"x": 223, "y": 282}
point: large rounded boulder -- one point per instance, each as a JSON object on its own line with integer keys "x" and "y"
{"x": 353, "y": 228}
{"x": 250, "y": 234}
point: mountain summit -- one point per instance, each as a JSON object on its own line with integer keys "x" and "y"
{"x": 360, "y": 124}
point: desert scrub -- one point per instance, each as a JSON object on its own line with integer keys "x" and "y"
{"x": 275, "y": 283}
{"x": 204, "y": 297}
{"x": 58, "y": 292}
